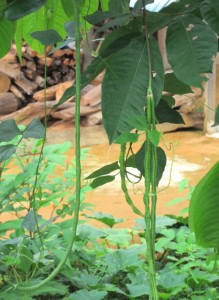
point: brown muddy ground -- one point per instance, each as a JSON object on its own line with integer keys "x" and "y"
{"x": 193, "y": 156}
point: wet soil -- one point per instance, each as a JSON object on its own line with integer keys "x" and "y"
{"x": 192, "y": 156}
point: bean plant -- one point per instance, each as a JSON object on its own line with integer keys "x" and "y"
{"x": 133, "y": 101}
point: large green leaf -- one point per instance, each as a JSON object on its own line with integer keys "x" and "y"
{"x": 164, "y": 113}
{"x": 104, "y": 170}
{"x": 210, "y": 12}
{"x": 8, "y": 130}
{"x": 2, "y": 8}
{"x": 91, "y": 295}
{"x": 18, "y": 38}
{"x": 6, "y": 152}
{"x": 125, "y": 84}
{"x": 181, "y": 7}
{"x": 34, "y": 130}
{"x": 173, "y": 85}
{"x": 117, "y": 40}
{"x": 120, "y": 6}
{"x": 191, "y": 47}
{"x": 99, "y": 181}
{"x": 104, "y": 4}
{"x": 161, "y": 156}
{"x": 20, "y": 8}
{"x": 47, "y": 37}
{"x": 26, "y": 258}
{"x": 7, "y": 29}
{"x": 50, "y": 16}
{"x": 154, "y": 21}
{"x": 204, "y": 209}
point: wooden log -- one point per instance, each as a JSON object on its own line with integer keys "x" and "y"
{"x": 92, "y": 119}
{"x": 98, "y": 79}
{"x": 48, "y": 61}
{"x": 10, "y": 69}
{"x": 39, "y": 81}
{"x": 34, "y": 110}
{"x": 30, "y": 74}
{"x": 5, "y": 82}
{"x": 50, "y": 93}
{"x": 26, "y": 85}
{"x": 92, "y": 97}
{"x": 17, "y": 93}
{"x": 8, "y": 103}
{"x": 58, "y": 53}
{"x": 31, "y": 65}
{"x": 61, "y": 89}
{"x": 56, "y": 75}
{"x": 69, "y": 113}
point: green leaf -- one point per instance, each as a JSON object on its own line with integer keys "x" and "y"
{"x": 127, "y": 137}
{"x": 20, "y": 8}
{"x": 204, "y": 209}
{"x": 47, "y": 37}
{"x": 169, "y": 278}
{"x": 139, "y": 161}
{"x": 18, "y": 38}
{"x": 107, "y": 219}
{"x": 99, "y": 181}
{"x": 154, "y": 21}
{"x": 169, "y": 100}
{"x": 210, "y": 12}
{"x": 99, "y": 16}
{"x": 115, "y": 22}
{"x": 6, "y": 152}
{"x": 30, "y": 222}
{"x": 70, "y": 28}
{"x": 34, "y": 130}
{"x": 164, "y": 113}
{"x": 10, "y": 225}
{"x": 126, "y": 82}
{"x": 181, "y": 7}
{"x": 50, "y": 16}
{"x": 189, "y": 53}
{"x": 8, "y": 130}
{"x": 104, "y": 4}
{"x": 51, "y": 288}
{"x": 7, "y": 29}
{"x": 120, "y": 6}
{"x": 104, "y": 170}
{"x": 138, "y": 122}
{"x": 2, "y": 8}
{"x": 88, "y": 295}
{"x": 216, "y": 117}
{"x": 173, "y": 85}
{"x": 137, "y": 290}
{"x": 115, "y": 41}
{"x": 26, "y": 259}
{"x": 154, "y": 137}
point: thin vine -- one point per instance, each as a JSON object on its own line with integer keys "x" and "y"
{"x": 77, "y": 160}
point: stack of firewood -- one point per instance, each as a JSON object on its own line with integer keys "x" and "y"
{"x": 22, "y": 92}
{"x": 23, "y": 95}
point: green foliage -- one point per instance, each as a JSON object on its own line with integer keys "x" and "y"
{"x": 12, "y": 135}
{"x": 20, "y": 8}
{"x": 204, "y": 209}
{"x": 33, "y": 246}
{"x": 186, "y": 36}
{"x": 129, "y": 65}
{"x": 7, "y": 30}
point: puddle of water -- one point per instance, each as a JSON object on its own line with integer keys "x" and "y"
{"x": 194, "y": 154}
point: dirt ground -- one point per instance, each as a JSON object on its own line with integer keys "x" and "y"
{"x": 193, "y": 156}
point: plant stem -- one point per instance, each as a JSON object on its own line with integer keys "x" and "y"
{"x": 78, "y": 162}
{"x": 123, "y": 182}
